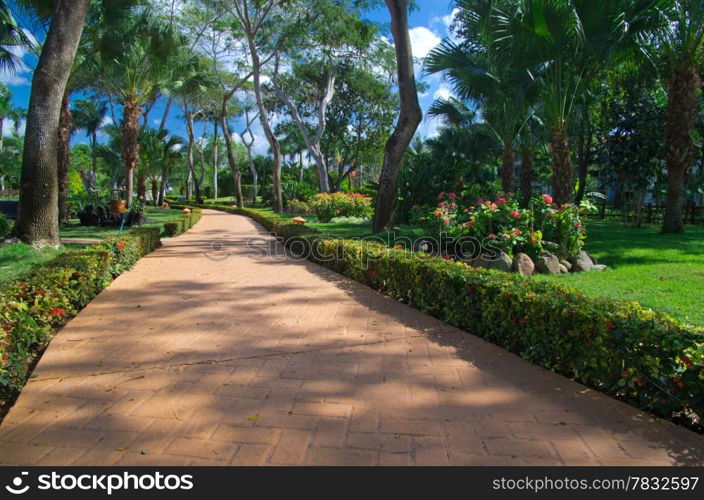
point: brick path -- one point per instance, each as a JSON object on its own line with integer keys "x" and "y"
{"x": 189, "y": 360}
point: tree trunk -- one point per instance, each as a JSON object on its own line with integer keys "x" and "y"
{"x": 155, "y": 192}
{"x": 585, "y": 154}
{"x": 130, "y": 141}
{"x": 37, "y": 223}
{"x": 409, "y": 119}
{"x": 63, "y": 156}
{"x": 527, "y": 176}
{"x": 162, "y": 185}
{"x": 508, "y": 168}
{"x": 236, "y": 175}
{"x": 682, "y": 108}
{"x": 264, "y": 119}
{"x": 215, "y": 160}
{"x": 141, "y": 188}
{"x": 561, "y": 166}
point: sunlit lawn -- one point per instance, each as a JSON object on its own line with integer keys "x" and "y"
{"x": 663, "y": 272}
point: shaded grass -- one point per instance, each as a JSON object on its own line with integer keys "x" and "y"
{"x": 19, "y": 258}
{"x": 664, "y": 272}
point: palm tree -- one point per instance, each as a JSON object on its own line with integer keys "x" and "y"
{"x": 6, "y": 110}
{"x": 89, "y": 115}
{"x": 682, "y": 44}
{"x": 11, "y": 35}
{"x": 132, "y": 60}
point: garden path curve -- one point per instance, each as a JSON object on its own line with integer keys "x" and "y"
{"x": 203, "y": 354}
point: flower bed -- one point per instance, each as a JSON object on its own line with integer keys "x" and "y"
{"x": 639, "y": 356}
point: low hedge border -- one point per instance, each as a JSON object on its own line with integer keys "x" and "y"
{"x": 34, "y": 306}
{"x": 183, "y": 223}
{"x": 643, "y": 357}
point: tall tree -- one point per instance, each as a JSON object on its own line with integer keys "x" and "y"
{"x": 409, "y": 117}
{"x": 682, "y": 42}
{"x": 37, "y": 222}
{"x": 89, "y": 115}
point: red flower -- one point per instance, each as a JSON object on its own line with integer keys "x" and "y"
{"x": 120, "y": 245}
{"x": 441, "y": 195}
{"x": 40, "y": 292}
{"x": 372, "y": 273}
{"x": 548, "y": 199}
{"x": 516, "y": 214}
{"x": 452, "y": 196}
{"x": 501, "y": 201}
{"x": 493, "y": 206}
{"x": 446, "y": 257}
{"x": 57, "y": 311}
{"x": 609, "y": 324}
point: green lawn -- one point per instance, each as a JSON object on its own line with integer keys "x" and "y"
{"x": 662, "y": 272}
{"x": 18, "y": 258}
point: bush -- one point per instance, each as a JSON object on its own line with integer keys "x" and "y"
{"x": 5, "y": 226}
{"x": 171, "y": 229}
{"x": 298, "y": 207}
{"x": 34, "y": 306}
{"x": 326, "y": 206}
{"x": 639, "y": 356}
{"x": 503, "y": 225}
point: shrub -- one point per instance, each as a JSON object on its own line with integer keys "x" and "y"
{"x": 34, "y": 306}
{"x": 501, "y": 224}
{"x": 326, "y": 206}
{"x": 171, "y": 229}
{"x": 298, "y": 207}
{"x": 639, "y": 356}
{"x": 5, "y": 226}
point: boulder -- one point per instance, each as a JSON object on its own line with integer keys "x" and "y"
{"x": 503, "y": 263}
{"x": 600, "y": 267}
{"x": 566, "y": 263}
{"x": 548, "y": 263}
{"x": 481, "y": 261}
{"x": 563, "y": 269}
{"x": 422, "y": 246}
{"x": 592, "y": 258}
{"x": 582, "y": 262}
{"x": 523, "y": 264}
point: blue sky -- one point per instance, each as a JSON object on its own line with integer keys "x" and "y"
{"x": 429, "y": 24}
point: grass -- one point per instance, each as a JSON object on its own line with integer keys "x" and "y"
{"x": 664, "y": 272}
{"x": 19, "y": 258}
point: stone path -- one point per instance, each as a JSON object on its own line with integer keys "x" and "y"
{"x": 189, "y": 359}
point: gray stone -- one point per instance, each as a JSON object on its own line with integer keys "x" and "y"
{"x": 523, "y": 264}
{"x": 422, "y": 246}
{"x": 503, "y": 263}
{"x": 582, "y": 262}
{"x": 600, "y": 267}
{"x": 563, "y": 269}
{"x": 481, "y": 261}
{"x": 548, "y": 263}
{"x": 566, "y": 263}
{"x": 592, "y": 258}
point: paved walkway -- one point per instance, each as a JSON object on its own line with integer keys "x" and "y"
{"x": 195, "y": 360}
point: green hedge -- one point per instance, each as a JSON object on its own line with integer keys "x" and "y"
{"x": 639, "y": 356}
{"x": 34, "y": 306}
{"x": 184, "y": 222}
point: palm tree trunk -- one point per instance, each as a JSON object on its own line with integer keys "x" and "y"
{"x": 130, "y": 141}
{"x": 94, "y": 156}
{"x": 584, "y": 151}
{"x": 561, "y": 165}
{"x": 38, "y": 210}
{"x": 63, "y": 156}
{"x": 508, "y": 167}
{"x": 155, "y": 192}
{"x": 215, "y": 160}
{"x": 682, "y": 108}
{"x": 409, "y": 118}
{"x": 236, "y": 175}
{"x": 527, "y": 176}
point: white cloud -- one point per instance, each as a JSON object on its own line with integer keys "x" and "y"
{"x": 443, "y": 92}
{"x": 450, "y": 18}
{"x": 430, "y": 127}
{"x": 106, "y": 121}
{"x": 423, "y": 41}
{"x": 12, "y": 78}
{"x": 9, "y": 127}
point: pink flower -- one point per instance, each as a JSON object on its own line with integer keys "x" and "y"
{"x": 452, "y": 196}
{"x": 492, "y": 236}
{"x": 469, "y": 224}
{"x": 516, "y": 214}
{"x": 494, "y": 207}
{"x": 501, "y": 201}
{"x": 446, "y": 257}
{"x": 480, "y": 201}
{"x": 446, "y": 221}
{"x": 414, "y": 207}
{"x": 441, "y": 195}
{"x": 548, "y": 199}
{"x": 517, "y": 232}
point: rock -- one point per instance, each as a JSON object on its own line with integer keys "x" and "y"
{"x": 566, "y": 263}
{"x": 582, "y": 262}
{"x": 563, "y": 269}
{"x": 591, "y": 257}
{"x": 481, "y": 261}
{"x": 503, "y": 263}
{"x": 422, "y": 246}
{"x": 600, "y": 267}
{"x": 550, "y": 244}
{"x": 523, "y": 265}
{"x": 548, "y": 263}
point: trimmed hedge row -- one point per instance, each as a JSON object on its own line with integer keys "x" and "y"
{"x": 183, "y": 223}
{"x": 34, "y": 306}
{"x": 620, "y": 348}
